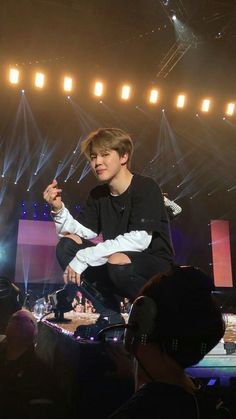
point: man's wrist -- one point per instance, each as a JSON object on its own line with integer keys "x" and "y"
{"x": 55, "y": 210}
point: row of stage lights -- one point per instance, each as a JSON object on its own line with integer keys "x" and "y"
{"x": 125, "y": 92}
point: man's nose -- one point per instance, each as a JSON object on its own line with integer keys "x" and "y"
{"x": 99, "y": 160}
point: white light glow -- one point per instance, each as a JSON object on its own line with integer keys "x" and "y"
{"x": 39, "y": 80}
{"x": 98, "y": 89}
{"x": 125, "y": 92}
{"x": 153, "y": 97}
{"x": 14, "y": 76}
{"x": 68, "y": 82}
{"x": 230, "y": 109}
{"x": 205, "y": 105}
{"x": 181, "y": 101}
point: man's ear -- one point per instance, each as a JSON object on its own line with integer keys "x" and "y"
{"x": 124, "y": 159}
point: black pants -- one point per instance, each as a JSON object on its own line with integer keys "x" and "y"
{"x": 105, "y": 285}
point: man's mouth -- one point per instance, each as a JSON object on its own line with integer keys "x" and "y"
{"x": 100, "y": 171}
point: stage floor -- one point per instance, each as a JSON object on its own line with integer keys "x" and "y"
{"x": 77, "y": 319}
{"x": 85, "y": 318}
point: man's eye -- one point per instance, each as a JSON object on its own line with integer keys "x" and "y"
{"x": 92, "y": 157}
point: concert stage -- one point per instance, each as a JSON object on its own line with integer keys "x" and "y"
{"x": 96, "y": 377}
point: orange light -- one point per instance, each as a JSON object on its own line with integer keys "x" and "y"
{"x": 206, "y": 105}
{"x": 181, "y": 101}
{"x": 153, "y": 97}
{"x": 98, "y": 89}
{"x": 14, "y": 76}
{"x": 230, "y": 109}
{"x": 125, "y": 92}
{"x": 39, "y": 80}
{"x": 68, "y": 82}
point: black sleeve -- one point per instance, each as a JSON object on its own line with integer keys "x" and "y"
{"x": 147, "y": 206}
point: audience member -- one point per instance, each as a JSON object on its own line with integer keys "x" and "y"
{"x": 172, "y": 325}
{"x": 27, "y": 388}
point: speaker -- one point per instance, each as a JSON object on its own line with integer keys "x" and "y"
{"x": 141, "y": 327}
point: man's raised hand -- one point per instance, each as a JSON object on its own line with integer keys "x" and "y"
{"x": 52, "y": 195}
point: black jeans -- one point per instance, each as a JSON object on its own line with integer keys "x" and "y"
{"x": 105, "y": 285}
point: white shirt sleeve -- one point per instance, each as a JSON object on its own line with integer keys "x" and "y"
{"x": 65, "y": 223}
{"x": 135, "y": 241}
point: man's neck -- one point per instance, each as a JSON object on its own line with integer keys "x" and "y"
{"x": 161, "y": 368}
{"x": 121, "y": 182}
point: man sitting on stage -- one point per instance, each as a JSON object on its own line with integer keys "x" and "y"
{"x": 128, "y": 210}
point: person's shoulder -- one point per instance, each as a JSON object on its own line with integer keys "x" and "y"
{"x": 145, "y": 182}
{"x": 99, "y": 191}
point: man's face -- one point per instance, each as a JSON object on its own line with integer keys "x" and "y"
{"x": 107, "y": 164}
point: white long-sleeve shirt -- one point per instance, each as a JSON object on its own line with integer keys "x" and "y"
{"x": 97, "y": 255}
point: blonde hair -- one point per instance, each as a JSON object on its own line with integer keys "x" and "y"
{"x": 108, "y": 139}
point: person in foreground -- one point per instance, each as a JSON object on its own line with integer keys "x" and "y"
{"x": 172, "y": 325}
{"x": 28, "y": 389}
{"x": 128, "y": 210}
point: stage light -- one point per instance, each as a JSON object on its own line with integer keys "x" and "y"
{"x": 153, "y": 97}
{"x": 39, "y": 80}
{"x": 67, "y": 84}
{"x": 205, "y": 105}
{"x": 174, "y": 18}
{"x": 230, "y": 109}
{"x": 181, "y": 101}
{"x": 98, "y": 89}
{"x": 125, "y": 92}
{"x": 14, "y": 76}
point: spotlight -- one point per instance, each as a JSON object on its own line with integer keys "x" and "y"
{"x": 39, "y": 80}
{"x": 68, "y": 97}
{"x": 22, "y": 91}
{"x": 68, "y": 82}
{"x": 98, "y": 89}
{"x": 181, "y": 101}
{"x": 125, "y": 92}
{"x": 14, "y": 76}
{"x": 153, "y": 97}
{"x": 230, "y": 109}
{"x": 174, "y": 18}
{"x": 205, "y": 105}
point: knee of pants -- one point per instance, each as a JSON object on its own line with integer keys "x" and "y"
{"x": 125, "y": 280}
{"x": 66, "y": 250}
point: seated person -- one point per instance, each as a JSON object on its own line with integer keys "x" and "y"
{"x": 128, "y": 210}
{"x": 172, "y": 325}
{"x": 27, "y": 387}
